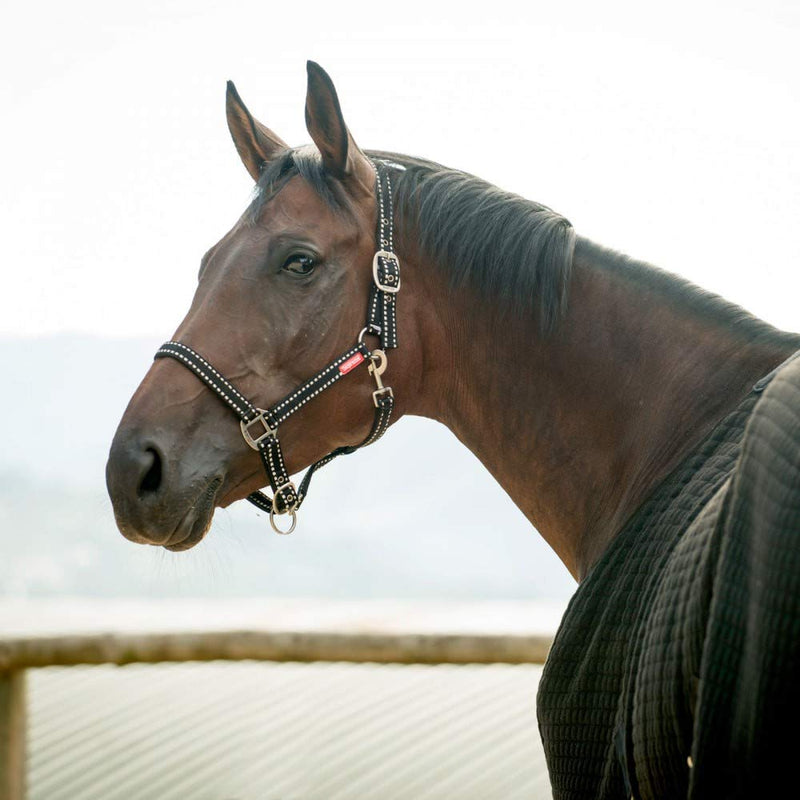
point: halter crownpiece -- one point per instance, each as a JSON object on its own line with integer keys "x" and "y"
{"x": 260, "y": 426}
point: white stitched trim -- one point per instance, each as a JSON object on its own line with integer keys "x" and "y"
{"x": 211, "y": 369}
{"x": 334, "y": 367}
{"x": 211, "y": 385}
{"x": 380, "y": 428}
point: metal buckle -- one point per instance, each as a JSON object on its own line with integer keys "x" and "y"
{"x": 384, "y": 287}
{"x": 376, "y": 370}
{"x": 291, "y": 510}
{"x": 287, "y": 485}
{"x": 248, "y": 437}
{"x": 380, "y": 393}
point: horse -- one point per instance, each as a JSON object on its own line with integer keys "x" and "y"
{"x": 649, "y": 430}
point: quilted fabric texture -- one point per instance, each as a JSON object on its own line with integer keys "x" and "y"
{"x": 676, "y": 670}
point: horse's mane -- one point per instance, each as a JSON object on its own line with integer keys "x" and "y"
{"x": 513, "y": 252}
{"x": 507, "y": 249}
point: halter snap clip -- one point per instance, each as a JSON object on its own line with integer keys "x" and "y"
{"x": 376, "y": 368}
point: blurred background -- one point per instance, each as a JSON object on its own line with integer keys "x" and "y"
{"x": 669, "y": 132}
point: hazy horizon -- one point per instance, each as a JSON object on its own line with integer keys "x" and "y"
{"x": 59, "y": 535}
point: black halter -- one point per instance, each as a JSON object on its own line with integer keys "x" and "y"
{"x": 260, "y": 426}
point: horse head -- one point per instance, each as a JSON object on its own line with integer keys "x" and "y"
{"x": 279, "y": 297}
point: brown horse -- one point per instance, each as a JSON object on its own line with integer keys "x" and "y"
{"x": 590, "y": 385}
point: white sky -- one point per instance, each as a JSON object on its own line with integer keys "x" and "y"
{"x": 669, "y": 131}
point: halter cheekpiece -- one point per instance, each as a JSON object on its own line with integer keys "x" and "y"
{"x": 259, "y": 426}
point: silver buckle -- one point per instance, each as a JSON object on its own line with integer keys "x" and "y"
{"x": 291, "y": 510}
{"x": 287, "y": 485}
{"x": 389, "y": 256}
{"x": 249, "y": 438}
{"x": 380, "y": 393}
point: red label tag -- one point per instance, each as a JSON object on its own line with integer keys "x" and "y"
{"x": 351, "y": 363}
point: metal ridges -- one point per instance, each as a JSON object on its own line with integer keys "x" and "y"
{"x": 277, "y": 731}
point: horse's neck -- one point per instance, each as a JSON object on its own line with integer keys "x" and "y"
{"x": 580, "y": 426}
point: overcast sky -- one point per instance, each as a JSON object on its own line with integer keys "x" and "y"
{"x": 668, "y": 131}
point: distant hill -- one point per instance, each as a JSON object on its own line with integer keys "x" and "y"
{"x": 66, "y": 396}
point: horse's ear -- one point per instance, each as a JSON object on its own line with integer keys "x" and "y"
{"x": 256, "y": 143}
{"x": 340, "y": 154}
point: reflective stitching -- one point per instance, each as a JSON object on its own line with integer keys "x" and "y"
{"x": 334, "y": 367}
{"x": 260, "y": 500}
{"x": 208, "y": 366}
{"x": 210, "y": 382}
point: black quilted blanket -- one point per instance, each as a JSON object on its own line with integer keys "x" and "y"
{"x": 676, "y": 670}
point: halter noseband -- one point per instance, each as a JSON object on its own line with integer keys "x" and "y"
{"x": 260, "y": 426}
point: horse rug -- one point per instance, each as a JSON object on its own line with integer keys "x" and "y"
{"x": 676, "y": 669}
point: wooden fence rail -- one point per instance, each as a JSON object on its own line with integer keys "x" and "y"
{"x": 19, "y": 654}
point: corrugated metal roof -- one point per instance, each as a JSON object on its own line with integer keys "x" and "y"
{"x": 270, "y": 731}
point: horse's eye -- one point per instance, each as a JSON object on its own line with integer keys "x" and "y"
{"x": 299, "y": 265}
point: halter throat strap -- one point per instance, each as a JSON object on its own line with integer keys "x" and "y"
{"x": 260, "y": 426}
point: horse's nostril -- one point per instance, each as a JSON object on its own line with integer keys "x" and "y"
{"x": 151, "y": 480}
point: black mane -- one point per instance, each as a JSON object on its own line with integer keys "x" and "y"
{"x": 514, "y": 253}
{"x": 505, "y": 248}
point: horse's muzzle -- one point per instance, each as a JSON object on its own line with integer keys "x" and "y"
{"x": 153, "y": 502}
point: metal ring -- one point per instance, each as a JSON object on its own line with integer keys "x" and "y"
{"x": 275, "y": 527}
{"x": 372, "y": 330}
